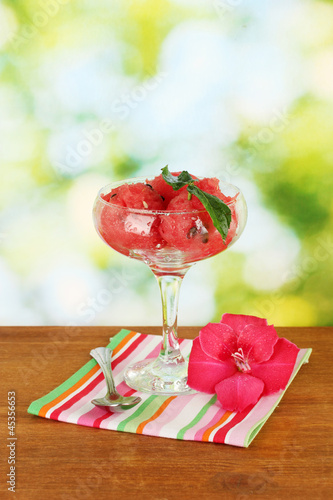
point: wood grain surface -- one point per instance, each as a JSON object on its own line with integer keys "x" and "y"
{"x": 291, "y": 458}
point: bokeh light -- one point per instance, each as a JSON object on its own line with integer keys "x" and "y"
{"x": 99, "y": 91}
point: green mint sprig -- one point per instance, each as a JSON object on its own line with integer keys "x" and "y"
{"x": 217, "y": 209}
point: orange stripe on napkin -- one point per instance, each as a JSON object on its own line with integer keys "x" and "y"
{"x": 46, "y": 408}
{"x": 43, "y": 411}
{"x": 207, "y": 433}
{"x": 156, "y": 414}
{"x": 123, "y": 342}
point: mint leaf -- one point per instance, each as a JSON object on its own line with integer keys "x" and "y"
{"x": 217, "y": 209}
{"x": 176, "y": 181}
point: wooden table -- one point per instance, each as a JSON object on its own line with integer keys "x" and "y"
{"x": 290, "y": 458}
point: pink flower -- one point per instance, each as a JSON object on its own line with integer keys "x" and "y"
{"x": 240, "y": 359}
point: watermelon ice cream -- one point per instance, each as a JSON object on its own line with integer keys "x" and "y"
{"x": 152, "y": 221}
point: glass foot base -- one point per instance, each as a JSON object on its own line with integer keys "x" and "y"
{"x": 156, "y": 377}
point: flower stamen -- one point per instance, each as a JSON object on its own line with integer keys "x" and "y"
{"x": 241, "y": 363}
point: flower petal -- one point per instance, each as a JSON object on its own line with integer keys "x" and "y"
{"x": 218, "y": 341}
{"x": 239, "y": 391}
{"x": 239, "y": 321}
{"x": 258, "y": 342}
{"x": 276, "y": 372}
{"x": 204, "y": 372}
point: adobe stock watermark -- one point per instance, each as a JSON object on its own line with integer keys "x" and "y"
{"x": 229, "y": 173}
{"x": 87, "y": 310}
{"x": 47, "y": 10}
{"x": 297, "y": 273}
{"x": 131, "y": 100}
{"x": 243, "y": 486}
{"x": 279, "y": 121}
{"x": 91, "y": 483}
{"x": 92, "y": 306}
{"x": 11, "y": 441}
{"x": 226, "y": 7}
{"x": 92, "y": 138}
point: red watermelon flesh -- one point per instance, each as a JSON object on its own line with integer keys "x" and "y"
{"x": 211, "y": 186}
{"x": 114, "y": 197}
{"x": 125, "y": 229}
{"x": 183, "y": 231}
{"x": 194, "y": 232}
{"x": 139, "y": 196}
{"x": 142, "y": 197}
{"x": 164, "y": 189}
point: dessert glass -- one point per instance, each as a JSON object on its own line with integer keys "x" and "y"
{"x": 169, "y": 242}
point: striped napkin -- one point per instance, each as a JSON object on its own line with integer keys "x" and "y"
{"x": 196, "y": 417}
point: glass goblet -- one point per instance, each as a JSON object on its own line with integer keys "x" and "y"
{"x": 169, "y": 242}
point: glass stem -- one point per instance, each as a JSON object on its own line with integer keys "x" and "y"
{"x": 170, "y": 287}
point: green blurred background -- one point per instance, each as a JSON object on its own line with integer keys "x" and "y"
{"x": 94, "y": 90}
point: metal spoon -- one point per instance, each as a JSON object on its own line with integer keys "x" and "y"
{"x": 112, "y": 401}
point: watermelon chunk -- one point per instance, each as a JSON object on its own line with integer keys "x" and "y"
{"x": 114, "y": 197}
{"x": 125, "y": 229}
{"x": 186, "y": 225}
{"x": 139, "y": 196}
{"x": 164, "y": 189}
{"x": 194, "y": 232}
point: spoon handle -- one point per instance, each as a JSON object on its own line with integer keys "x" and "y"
{"x": 103, "y": 357}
